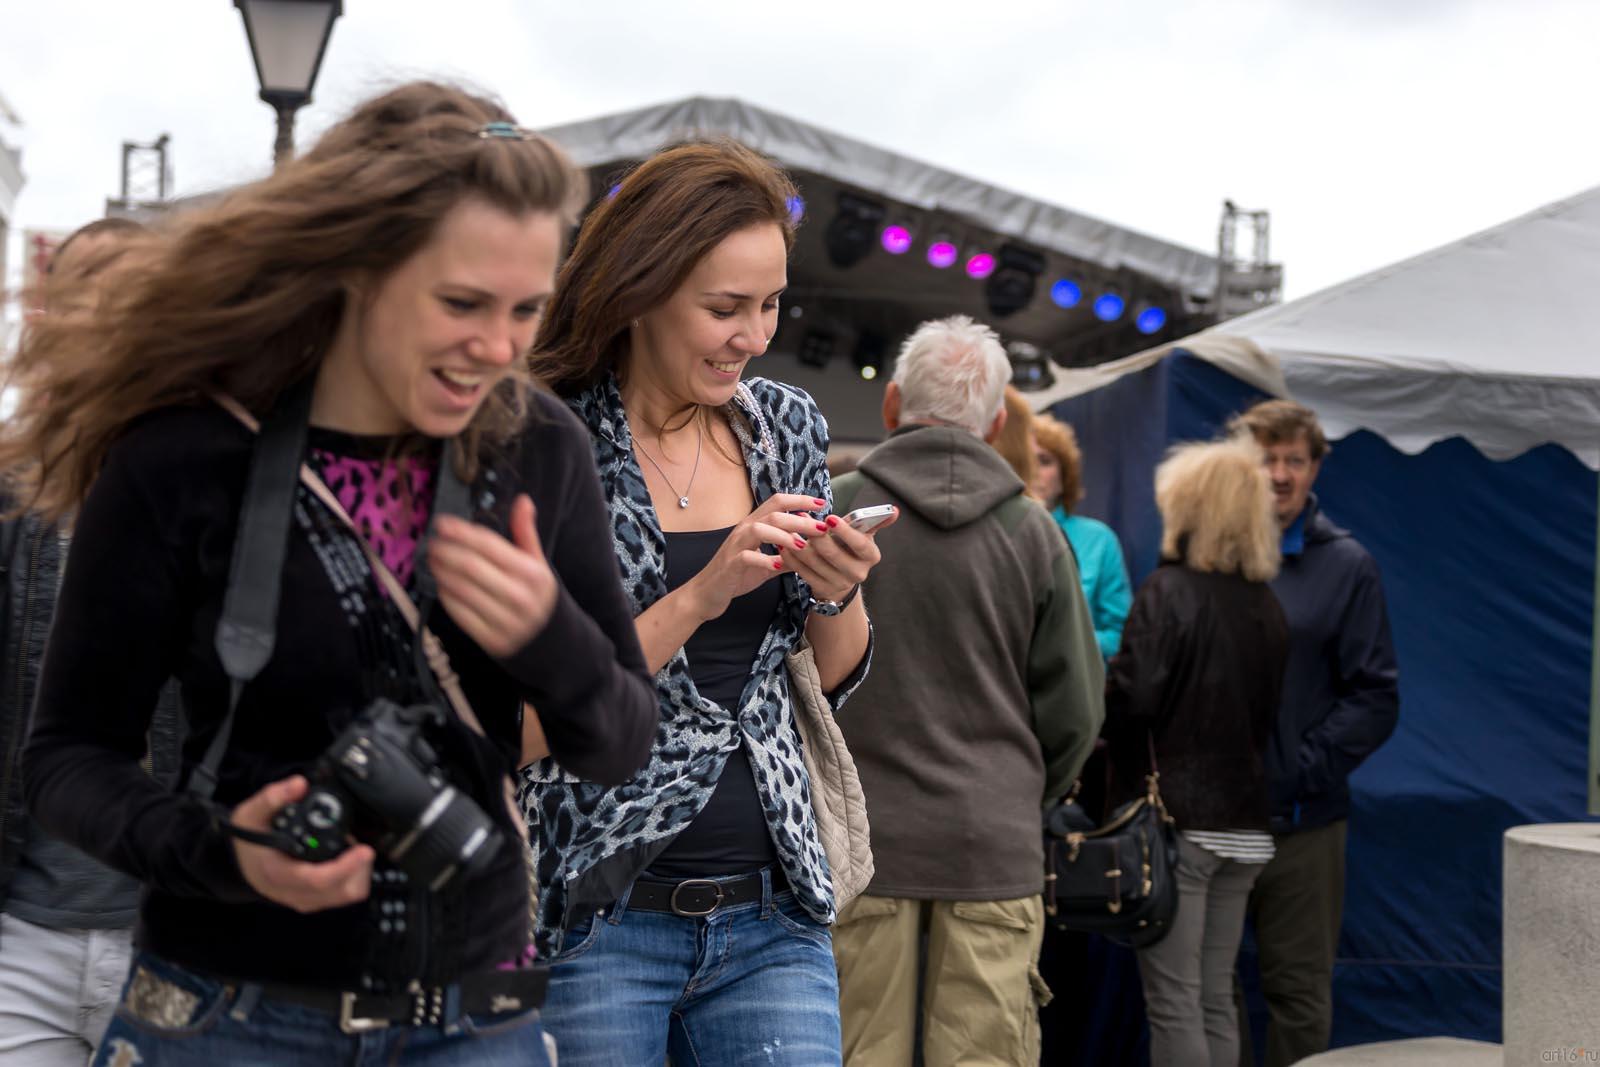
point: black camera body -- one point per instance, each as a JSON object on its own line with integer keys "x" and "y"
{"x": 381, "y": 778}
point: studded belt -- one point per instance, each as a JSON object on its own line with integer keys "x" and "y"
{"x": 488, "y": 993}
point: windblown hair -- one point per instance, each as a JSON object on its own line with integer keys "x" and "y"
{"x": 1015, "y": 440}
{"x": 1216, "y": 509}
{"x": 108, "y": 227}
{"x": 639, "y": 245}
{"x": 244, "y": 296}
{"x": 1276, "y": 422}
{"x": 1058, "y": 439}
{"x": 952, "y": 371}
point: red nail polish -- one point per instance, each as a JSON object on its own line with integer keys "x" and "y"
{"x": 822, "y": 527}
{"x": 819, "y": 503}
{"x": 798, "y": 543}
{"x": 833, "y": 520}
{"x": 777, "y": 564}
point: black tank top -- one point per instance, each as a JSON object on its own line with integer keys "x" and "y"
{"x": 730, "y": 835}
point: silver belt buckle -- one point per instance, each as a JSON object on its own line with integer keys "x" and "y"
{"x": 350, "y": 1023}
{"x": 672, "y": 902}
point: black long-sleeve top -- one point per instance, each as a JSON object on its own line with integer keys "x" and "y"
{"x": 1199, "y": 674}
{"x": 143, "y": 590}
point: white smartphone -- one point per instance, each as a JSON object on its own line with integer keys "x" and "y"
{"x": 865, "y": 520}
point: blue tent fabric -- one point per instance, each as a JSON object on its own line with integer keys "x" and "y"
{"x": 1489, "y": 571}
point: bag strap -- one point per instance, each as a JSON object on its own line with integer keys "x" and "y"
{"x": 450, "y": 492}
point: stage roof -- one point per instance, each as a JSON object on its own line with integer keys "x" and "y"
{"x": 636, "y": 134}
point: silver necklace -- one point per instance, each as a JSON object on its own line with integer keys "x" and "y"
{"x": 683, "y": 498}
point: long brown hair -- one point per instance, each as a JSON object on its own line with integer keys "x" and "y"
{"x": 244, "y": 296}
{"x": 638, "y": 246}
{"x": 1014, "y": 443}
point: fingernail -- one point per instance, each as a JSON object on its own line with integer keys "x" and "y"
{"x": 798, "y": 543}
{"x": 777, "y": 564}
{"x": 833, "y": 520}
{"x": 822, "y": 527}
{"x": 819, "y": 503}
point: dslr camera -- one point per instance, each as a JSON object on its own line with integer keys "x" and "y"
{"x": 383, "y": 780}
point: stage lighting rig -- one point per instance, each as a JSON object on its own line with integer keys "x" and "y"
{"x": 816, "y": 348}
{"x": 1030, "y": 366}
{"x": 1010, "y": 288}
{"x": 853, "y": 230}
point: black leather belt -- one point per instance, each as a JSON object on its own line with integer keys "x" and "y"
{"x": 696, "y": 898}
{"x": 488, "y": 993}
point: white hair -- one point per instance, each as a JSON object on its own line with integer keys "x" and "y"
{"x": 952, "y": 371}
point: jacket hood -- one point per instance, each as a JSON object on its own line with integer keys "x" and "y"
{"x": 946, "y": 475}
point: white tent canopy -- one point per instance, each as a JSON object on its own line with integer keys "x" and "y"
{"x": 636, "y": 134}
{"x": 1494, "y": 338}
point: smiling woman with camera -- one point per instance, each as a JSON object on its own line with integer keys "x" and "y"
{"x": 371, "y": 305}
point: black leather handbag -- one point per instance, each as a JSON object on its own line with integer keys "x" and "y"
{"x": 1119, "y": 880}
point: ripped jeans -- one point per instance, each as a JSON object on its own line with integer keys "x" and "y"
{"x": 750, "y": 984}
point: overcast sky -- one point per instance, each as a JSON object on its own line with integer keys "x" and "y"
{"x": 1371, "y": 129}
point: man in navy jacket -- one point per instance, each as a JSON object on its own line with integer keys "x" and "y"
{"x": 1340, "y": 702}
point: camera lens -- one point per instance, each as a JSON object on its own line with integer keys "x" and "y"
{"x": 452, "y": 835}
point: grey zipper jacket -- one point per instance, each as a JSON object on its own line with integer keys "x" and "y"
{"x": 987, "y": 689}
{"x": 30, "y": 575}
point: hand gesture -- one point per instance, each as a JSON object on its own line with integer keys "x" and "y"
{"x": 740, "y": 566}
{"x": 305, "y": 887}
{"x": 500, "y": 592}
{"x": 834, "y": 564}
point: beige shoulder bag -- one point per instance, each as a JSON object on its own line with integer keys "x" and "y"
{"x": 836, "y": 794}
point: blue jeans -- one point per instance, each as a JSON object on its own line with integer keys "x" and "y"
{"x": 204, "y": 1023}
{"x": 750, "y": 984}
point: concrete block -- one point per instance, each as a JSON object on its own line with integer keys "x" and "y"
{"x": 1552, "y": 944}
{"x": 1418, "y": 1052}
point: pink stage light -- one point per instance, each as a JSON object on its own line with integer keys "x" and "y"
{"x": 942, "y": 254}
{"x": 980, "y": 265}
{"x": 896, "y": 240}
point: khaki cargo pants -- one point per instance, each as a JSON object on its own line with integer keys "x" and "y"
{"x": 981, "y": 987}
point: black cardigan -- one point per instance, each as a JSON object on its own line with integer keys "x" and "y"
{"x": 140, "y": 601}
{"x": 1200, "y": 669}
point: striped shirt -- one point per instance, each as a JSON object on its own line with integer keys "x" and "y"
{"x": 1244, "y": 846}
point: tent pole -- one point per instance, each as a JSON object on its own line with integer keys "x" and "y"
{"x": 1594, "y": 684}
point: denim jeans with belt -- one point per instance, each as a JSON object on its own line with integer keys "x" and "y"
{"x": 748, "y": 984}
{"x": 191, "y": 1020}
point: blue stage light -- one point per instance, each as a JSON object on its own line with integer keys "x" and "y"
{"x": 797, "y": 209}
{"x": 1108, "y": 307}
{"x": 1066, "y": 293}
{"x": 1151, "y": 320}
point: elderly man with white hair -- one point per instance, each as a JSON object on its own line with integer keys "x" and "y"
{"x": 985, "y": 698}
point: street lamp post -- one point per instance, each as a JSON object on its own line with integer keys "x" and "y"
{"x": 287, "y": 41}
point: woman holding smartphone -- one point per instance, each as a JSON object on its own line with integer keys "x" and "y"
{"x": 695, "y": 899}
{"x": 390, "y": 280}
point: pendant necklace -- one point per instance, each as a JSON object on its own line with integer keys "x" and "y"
{"x": 683, "y": 498}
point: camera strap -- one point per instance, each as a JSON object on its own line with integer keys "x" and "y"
{"x": 247, "y": 631}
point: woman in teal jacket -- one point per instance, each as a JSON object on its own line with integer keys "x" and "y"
{"x": 1058, "y": 486}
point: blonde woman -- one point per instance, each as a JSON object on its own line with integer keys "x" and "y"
{"x": 1197, "y": 681}
{"x": 1058, "y": 485}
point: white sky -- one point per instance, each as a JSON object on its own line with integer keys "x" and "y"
{"x": 1371, "y": 129}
